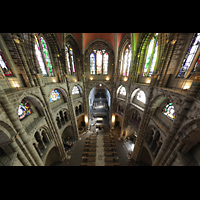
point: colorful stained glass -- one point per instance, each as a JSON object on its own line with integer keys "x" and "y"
{"x": 105, "y": 63}
{"x": 99, "y": 62}
{"x": 169, "y": 110}
{"x": 141, "y": 96}
{"x": 191, "y": 52}
{"x": 148, "y": 57}
{"x": 92, "y": 64}
{"x": 23, "y": 110}
{"x": 39, "y": 58}
{"x": 46, "y": 56}
{"x": 54, "y": 96}
{"x": 154, "y": 59}
{"x": 4, "y": 65}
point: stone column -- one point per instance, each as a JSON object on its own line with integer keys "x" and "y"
{"x": 20, "y": 154}
{"x": 8, "y": 107}
{"x": 142, "y": 129}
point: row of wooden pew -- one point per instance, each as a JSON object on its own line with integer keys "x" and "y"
{"x": 110, "y": 151}
{"x": 89, "y": 151}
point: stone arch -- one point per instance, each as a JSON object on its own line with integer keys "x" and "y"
{"x": 62, "y": 91}
{"x": 6, "y": 133}
{"x": 160, "y": 100}
{"x": 119, "y": 87}
{"x": 52, "y": 156}
{"x": 69, "y": 38}
{"x": 135, "y": 92}
{"x": 96, "y": 44}
{"x": 36, "y": 101}
{"x": 126, "y": 40}
{"x": 90, "y": 87}
{"x": 79, "y": 86}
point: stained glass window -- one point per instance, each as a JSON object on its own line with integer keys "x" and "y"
{"x": 154, "y": 59}
{"x": 54, "y": 96}
{"x": 151, "y": 56}
{"x": 4, "y": 65}
{"x": 141, "y": 96}
{"x": 191, "y": 52}
{"x": 169, "y": 111}
{"x": 39, "y": 58}
{"x": 67, "y": 57}
{"x": 105, "y": 63}
{"x": 148, "y": 58}
{"x": 92, "y": 64}
{"x": 99, "y": 61}
{"x": 23, "y": 110}
{"x": 75, "y": 90}
{"x": 126, "y": 63}
{"x": 70, "y": 59}
{"x": 197, "y": 63}
{"x": 122, "y": 91}
{"x": 46, "y": 56}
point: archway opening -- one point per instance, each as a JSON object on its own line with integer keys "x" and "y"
{"x": 99, "y": 107}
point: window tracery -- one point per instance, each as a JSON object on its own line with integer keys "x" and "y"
{"x": 54, "y": 96}
{"x": 99, "y": 61}
{"x": 70, "y": 59}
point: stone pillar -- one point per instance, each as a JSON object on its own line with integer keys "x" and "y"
{"x": 52, "y": 123}
{"x": 8, "y": 107}
{"x": 20, "y": 154}
{"x": 142, "y": 129}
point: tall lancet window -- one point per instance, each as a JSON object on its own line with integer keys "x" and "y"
{"x": 126, "y": 61}
{"x": 70, "y": 59}
{"x": 189, "y": 57}
{"x": 99, "y": 62}
{"x": 43, "y": 57}
{"x": 151, "y": 56}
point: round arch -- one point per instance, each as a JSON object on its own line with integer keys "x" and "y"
{"x": 62, "y": 91}
{"x": 35, "y": 101}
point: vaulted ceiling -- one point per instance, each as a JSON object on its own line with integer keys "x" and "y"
{"x": 84, "y": 39}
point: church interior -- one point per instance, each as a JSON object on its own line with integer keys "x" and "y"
{"x": 99, "y": 99}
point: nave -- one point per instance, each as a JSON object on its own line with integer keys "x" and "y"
{"x": 102, "y": 149}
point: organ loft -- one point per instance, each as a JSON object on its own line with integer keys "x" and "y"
{"x": 99, "y": 99}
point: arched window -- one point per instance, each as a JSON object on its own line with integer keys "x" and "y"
{"x": 23, "y": 110}
{"x": 122, "y": 91}
{"x": 99, "y": 60}
{"x": 169, "y": 110}
{"x": 54, "y": 96}
{"x": 191, "y": 52}
{"x": 141, "y": 96}
{"x": 126, "y": 61}
{"x": 151, "y": 56}
{"x": 70, "y": 59}
{"x": 4, "y": 65}
{"x": 44, "y": 61}
{"x": 75, "y": 90}
{"x": 46, "y": 56}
